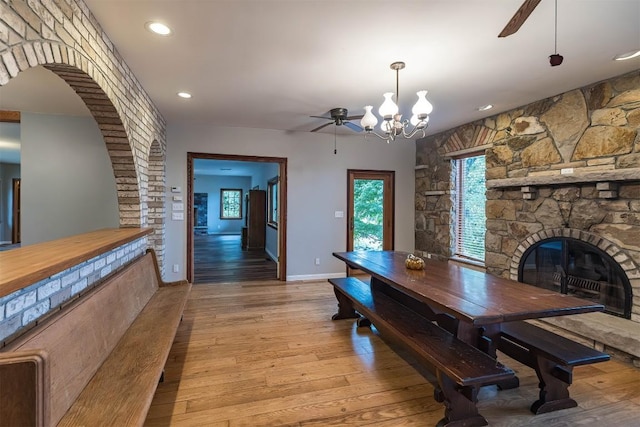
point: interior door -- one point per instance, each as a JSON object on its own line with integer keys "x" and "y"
{"x": 370, "y": 222}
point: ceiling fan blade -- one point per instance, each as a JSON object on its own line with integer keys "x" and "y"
{"x": 322, "y": 117}
{"x": 520, "y": 16}
{"x": 320, "y": 127}
{"x": 355, "y": 117}
{"x": 353, "y": 126}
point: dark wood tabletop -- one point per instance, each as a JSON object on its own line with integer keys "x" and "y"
{"x": 469, "y": 295}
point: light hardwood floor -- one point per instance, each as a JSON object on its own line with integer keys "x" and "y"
{"x": 268, "y": 354}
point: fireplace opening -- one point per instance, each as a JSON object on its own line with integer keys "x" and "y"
{"x": 571, "y": 266}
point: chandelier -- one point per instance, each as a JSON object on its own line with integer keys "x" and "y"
{"x": 392, "y": 124}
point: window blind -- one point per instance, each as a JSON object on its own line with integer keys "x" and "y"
{"x": 470, "y": 217}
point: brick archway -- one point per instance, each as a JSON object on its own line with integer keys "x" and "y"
{"x": 85, "y": 79}
{"x": 614, "y": 251}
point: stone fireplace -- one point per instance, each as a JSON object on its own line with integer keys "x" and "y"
{"x": 563, "y": 183}
{"x": 578, "y": 240}
{"x": 579, "y": 267}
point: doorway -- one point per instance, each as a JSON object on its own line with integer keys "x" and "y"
{"x": 370, "y": 214}
{"x": 226, "y": 242}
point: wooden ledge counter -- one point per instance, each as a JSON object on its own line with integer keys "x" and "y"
{"x": 25, "y": 266}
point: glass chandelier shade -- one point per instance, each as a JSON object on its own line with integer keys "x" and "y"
{"x": 422, "y": 106}
{"x": 388, "y": 108}
{"x": 369, "y": 120}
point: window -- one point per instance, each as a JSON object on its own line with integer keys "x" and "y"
{"x": 230, "y": 203}
{"x": 272, "y": 194}
{"x": 469, "y": 222}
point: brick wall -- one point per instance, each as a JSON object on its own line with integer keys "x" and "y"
{"x": 64, "y": 37}
{"x": 22, "y": 308}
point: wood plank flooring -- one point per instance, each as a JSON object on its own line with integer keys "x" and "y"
{"x": 219, "y": 258}
{"x": 267, "y": 354}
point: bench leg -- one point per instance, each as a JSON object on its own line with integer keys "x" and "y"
{"x": 345, "y": 307}
{"x": 554, "y": 393}
{"x": 460, "y": 404}
{"x": 363, "y": 322}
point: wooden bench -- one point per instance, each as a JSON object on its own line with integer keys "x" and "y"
{"x": 553, "y": 358}
{"x": 460, "y": 369}
{"x": 97, "y": 360}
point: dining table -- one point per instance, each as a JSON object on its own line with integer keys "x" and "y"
{"x": 470, "y": 303}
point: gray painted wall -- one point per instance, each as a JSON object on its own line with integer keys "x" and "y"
{"x": 68, "y": 185}
{"x": 317, "y": 181}
{"x": 212, "y": 184}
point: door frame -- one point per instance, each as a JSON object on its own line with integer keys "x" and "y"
{"x": 15, "y": 212}
{"x": 282, "y": 205}
{"x": 388, "y": 177}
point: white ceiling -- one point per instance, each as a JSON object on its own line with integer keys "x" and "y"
{"x": 273, "y": 63}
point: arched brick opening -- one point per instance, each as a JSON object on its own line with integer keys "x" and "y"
{"x": 115, "y": 138}
{"x": 614, "y": 251}
{"x": 469, "y": 137}
{"x": 88, "y": 82}
{"x": 156, "y": 200}
{"x": 626, "y": 263}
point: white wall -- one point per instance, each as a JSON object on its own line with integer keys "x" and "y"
{"x": 317, "y": 181}
{"x": 212, "y": 184}
{"x": 67, "y": 184}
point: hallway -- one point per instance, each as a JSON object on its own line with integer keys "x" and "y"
{"x": 219, "y": 258}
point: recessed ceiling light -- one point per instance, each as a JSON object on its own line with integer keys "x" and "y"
{"x": 185, "y": 95}
{"x": 485, "y": 107}
{"x": 628, "y": 55}
{"x": 158, "y": 28}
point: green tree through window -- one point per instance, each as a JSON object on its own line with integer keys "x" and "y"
{"x": 470, "y": 217}
{"x": 368, "y": 195}
{"x": 230, "y": 203}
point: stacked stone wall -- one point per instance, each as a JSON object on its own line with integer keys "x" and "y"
{"x": 567, "y": 162}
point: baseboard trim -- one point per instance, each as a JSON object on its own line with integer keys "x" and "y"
{"x": 314, "y": 277}
{"x": 272, "y": 256}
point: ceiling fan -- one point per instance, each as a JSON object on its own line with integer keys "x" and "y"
{"x": 520, "y": 16}
{"x": 339, "y": 116}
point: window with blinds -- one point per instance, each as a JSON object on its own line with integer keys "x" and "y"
{"x": 469, "y": 208}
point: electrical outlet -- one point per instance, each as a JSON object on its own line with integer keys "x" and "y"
{"x": 317, "y": 261}
{"x": 176, "y": 268}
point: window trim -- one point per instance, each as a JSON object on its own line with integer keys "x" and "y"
{"x": 271, "y": 184}
{"x": 222, "y": 192}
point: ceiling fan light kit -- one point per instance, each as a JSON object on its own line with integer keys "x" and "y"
{"x": 392, "y": 124}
